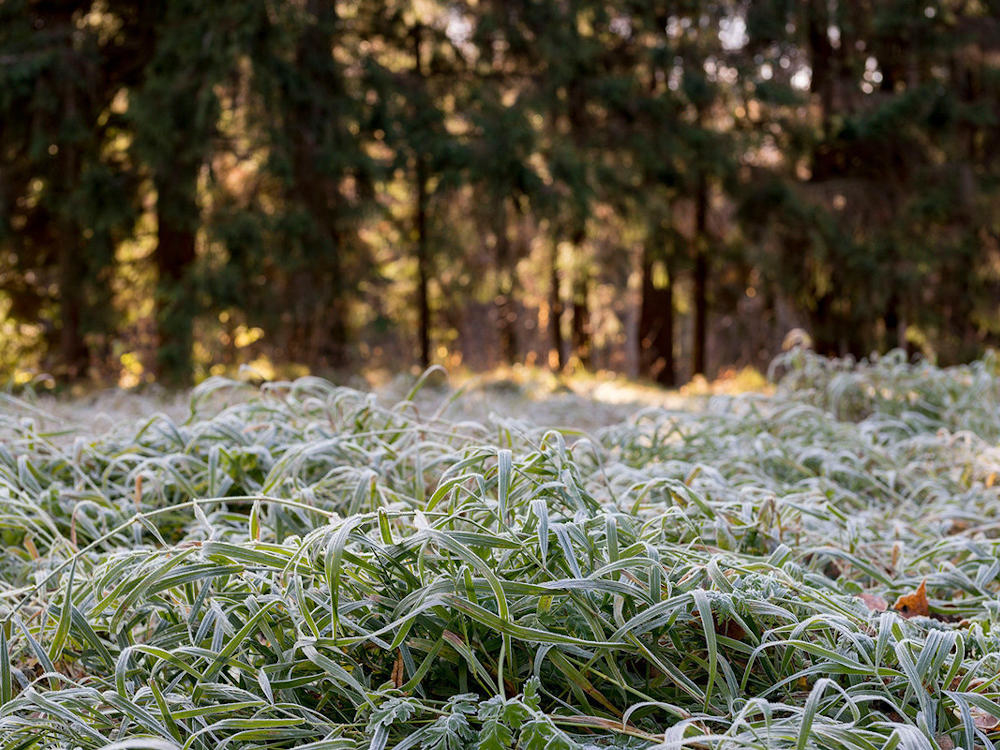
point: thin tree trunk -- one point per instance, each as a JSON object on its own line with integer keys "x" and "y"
{"x": 72, "y": 269}
{"x": 656, "y": 324}
{"x": 893, "y": 329}
{"x": 824, "y": 325}
{"x": 556, "y": 309}
{"x": 73, "y": 352}
{"x": 318, "y": 189}
{"x": 177, "y": 216}
{"x": 821, "y": 54}
{"x": 700, "y": 279}
{"x": 666, "y": 376}
{"x": 647, "y": 314}
{"x": 581, "y": 318}
{"x": 423, "y": 261}
{"x": 506, "y": 313}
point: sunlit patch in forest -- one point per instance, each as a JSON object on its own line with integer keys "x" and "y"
{"x": 398, "y": 184}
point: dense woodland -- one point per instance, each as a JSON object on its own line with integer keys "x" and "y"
{"x": 659, "y": 188}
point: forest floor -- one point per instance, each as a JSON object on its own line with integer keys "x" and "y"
{"x": 508, "y": 561}
{"x": 582, "y": 402}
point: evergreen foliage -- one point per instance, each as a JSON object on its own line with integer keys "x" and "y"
{"x": 667, "y": 185}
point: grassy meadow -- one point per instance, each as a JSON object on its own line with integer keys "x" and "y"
{"x": 309, "y": 565}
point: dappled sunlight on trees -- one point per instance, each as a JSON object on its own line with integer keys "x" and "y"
{"x": 661, "y": 190}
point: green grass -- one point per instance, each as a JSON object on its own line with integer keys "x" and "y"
{"x": 302, "y": 565}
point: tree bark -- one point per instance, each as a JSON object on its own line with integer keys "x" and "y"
{"x": 582, "y": 342}
{"x": 423, "y": 265}
{"x": 506, "y": 312}
{"x": 177, "y": 217}
{"x": 656, "y": 323}
{"x": 824, "y": 327}
{"x": 820, "y": 58}
{"x": 73, "y": 352}
{"x": 318, "y": 189}
{"x": 698, "y": 355}
{"x": 556, "y": 309}
{"x": 423, "y": 259}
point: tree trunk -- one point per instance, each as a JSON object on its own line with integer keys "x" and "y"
{"x": 73, "y": 353}
{"x": 423, "y": 261}
{"x": 893, "y": 328}
{"x": 556, "y": 310}
{"x": 820, "y": 58}
{"x": 581, "y": 318}
{"x": 506, "y": 312}
{"x": 656, "y": 323}
{"x": 316, "y": 187}
{"x": 648, "y": 314}
{"x": 177, "y": 217}
{"x": 700, "y": 278}
{"x": 824, "y": 327}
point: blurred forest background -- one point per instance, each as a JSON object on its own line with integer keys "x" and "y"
{"x": 656, "y": 188}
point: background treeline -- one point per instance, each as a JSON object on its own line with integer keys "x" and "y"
{"x": 661, "y": 188}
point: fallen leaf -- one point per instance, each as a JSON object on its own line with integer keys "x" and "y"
{"x": 732, "y": 630}
{"x": 983, "y": 720}
{"x": 957, "y": 527}
{"x": 874, "y": 602}
{"x": 397, "y": 670}
{"x": 991, "y": 479}
{"x": 944, "y": 742}
{"x": 971, "y": 685}
{"x": 915, "y": 604}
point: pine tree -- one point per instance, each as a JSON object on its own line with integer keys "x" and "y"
{"x": 63, "y": 187}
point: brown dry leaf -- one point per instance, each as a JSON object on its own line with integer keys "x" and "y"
{"x": 397, "y": 670}
{"x": 897, "y": 549}
{"x": 730, "y": 629}
{"x": 982, "y": 720}
{"x": 957, "y": 527}
{"x": 991, "y": 479}
{"x": 974, "y": 683}
{"x": 915, "y": 604}
{"x": 874, "y": 602}
{"x": 944, "y": 742}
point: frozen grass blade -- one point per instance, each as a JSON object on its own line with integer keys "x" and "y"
{"x": 304, "y": 565}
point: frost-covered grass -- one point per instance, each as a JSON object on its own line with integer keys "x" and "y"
{"x": 303, "y": 565}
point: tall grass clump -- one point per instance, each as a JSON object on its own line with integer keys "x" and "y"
{"x": 301, "y": 565}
